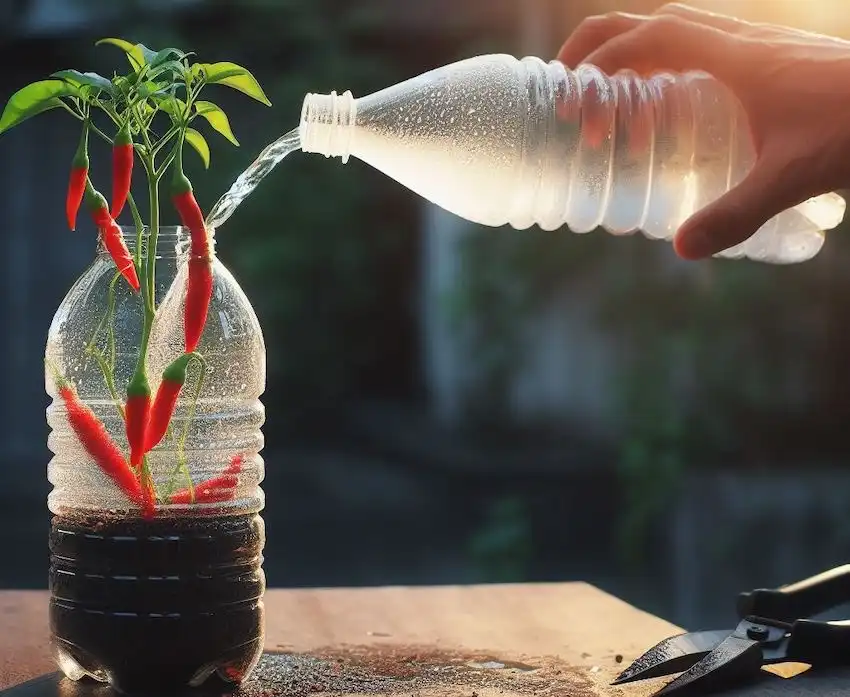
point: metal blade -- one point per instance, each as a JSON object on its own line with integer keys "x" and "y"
{"x": 735, "y": 660}
{"x": 672, "y": 655}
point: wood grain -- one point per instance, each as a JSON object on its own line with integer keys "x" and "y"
{"x": 571, "y": 626}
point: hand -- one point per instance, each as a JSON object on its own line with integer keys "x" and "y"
{"x": 793, "y": 85}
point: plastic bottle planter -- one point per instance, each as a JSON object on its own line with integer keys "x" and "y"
{"x": 165, "y": 598}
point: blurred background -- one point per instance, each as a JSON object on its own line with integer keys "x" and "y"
{"x": 448, "y": 403}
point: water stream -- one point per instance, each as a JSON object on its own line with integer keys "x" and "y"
{"x": 246, "y": 182}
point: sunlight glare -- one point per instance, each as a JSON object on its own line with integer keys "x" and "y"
{"x": 820, "y": 16}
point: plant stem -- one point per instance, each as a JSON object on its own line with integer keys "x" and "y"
{"x": 107, "y": 365}
{"x": 153, "y": 234}
{"x": 146, "y": 477}
{"x": 173, "y": 131}
{"x": 165, "y": 163}
{"x": 109, "y": 379}
{"x": 148, "y": 286}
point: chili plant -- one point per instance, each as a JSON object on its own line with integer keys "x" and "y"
{"x": 146, "y": 116}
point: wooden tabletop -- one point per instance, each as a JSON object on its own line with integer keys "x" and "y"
{"x": 565, "y": 639}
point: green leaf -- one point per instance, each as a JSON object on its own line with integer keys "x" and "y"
{"x": 216, "y": 118}
{"x": 34, "y": 99}
{"x": 91, "y": 79}
{"x": 134, "y": 53}
{"x": 138, "y": 54}
{"x": 174, "y": 67}
{"x": 148, "y": 54}
{"x": 164, "y": 55}
{"x": 232, "y": 75}
{"x": 174, "y": 106}
{"x": 150, "y": 88}
{"x": 197, "y": 141}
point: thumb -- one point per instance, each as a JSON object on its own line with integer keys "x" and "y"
{"x": 738, "y": 214}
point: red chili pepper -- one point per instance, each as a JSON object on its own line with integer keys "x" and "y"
{"x": 190, "y": 212}
{"x": 137, "y": 413}
{"x": 202, "y": 496}
{"x": 111, "y": 235}
{"x": 198, "y": 295}
{"x": 100, "y": 446}
{"x": 221, "y": 481}
{"x": 77, "y": 180}
{"x": 122, "y": 169}
{"x": 199, "y": 290}
{"x": 117, "y": 248}
{"x": 235, "y": 466}
{"x": 173, "y": 379}
{"x": 184, "y": 201}
{"x": 219, "y": 488}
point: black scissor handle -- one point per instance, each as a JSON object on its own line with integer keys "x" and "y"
{"x": 804, "y": 598}
{"x": 820, "y": 644}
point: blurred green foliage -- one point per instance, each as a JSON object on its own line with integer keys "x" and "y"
{"x": 501, "y": 549}
{"x": 721, "y": 363}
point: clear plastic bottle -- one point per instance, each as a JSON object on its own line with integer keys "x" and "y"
{"x": 164, "y": 602}
{"x": 497, "y": 140}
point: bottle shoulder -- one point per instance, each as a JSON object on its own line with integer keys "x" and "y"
{"x": 232, "y": 343}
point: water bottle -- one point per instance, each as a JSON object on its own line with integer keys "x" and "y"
{"x": 498, "y": 140}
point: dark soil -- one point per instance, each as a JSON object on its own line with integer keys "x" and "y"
{"x": 155, "y": 603}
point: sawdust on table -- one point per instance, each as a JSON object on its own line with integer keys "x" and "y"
{"x": 411, "y": 670}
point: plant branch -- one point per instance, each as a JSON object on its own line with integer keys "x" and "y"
{"x": 166, "y": 163}
{"x": 173, "y": 131}
{"x": 131, "y": 102}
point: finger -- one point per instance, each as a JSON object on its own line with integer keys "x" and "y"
{"x": 594, "y": 32}
{"x": 725, "y": 23}
{"x": 739, "y": 213}
{"x": 668, "y": 43}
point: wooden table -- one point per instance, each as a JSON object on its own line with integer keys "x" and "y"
{"x": 561, "y": 640}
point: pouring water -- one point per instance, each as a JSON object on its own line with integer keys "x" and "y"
{"x": 246, "y": 182}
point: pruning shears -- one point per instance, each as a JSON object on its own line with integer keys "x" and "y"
{"x": 774, "y": 627}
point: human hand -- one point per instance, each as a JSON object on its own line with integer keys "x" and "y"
{"x": 793, "y": 85}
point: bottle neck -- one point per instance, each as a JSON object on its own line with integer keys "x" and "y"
{"x": 172, "y": 241}
{"x": 327, "y": 124}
